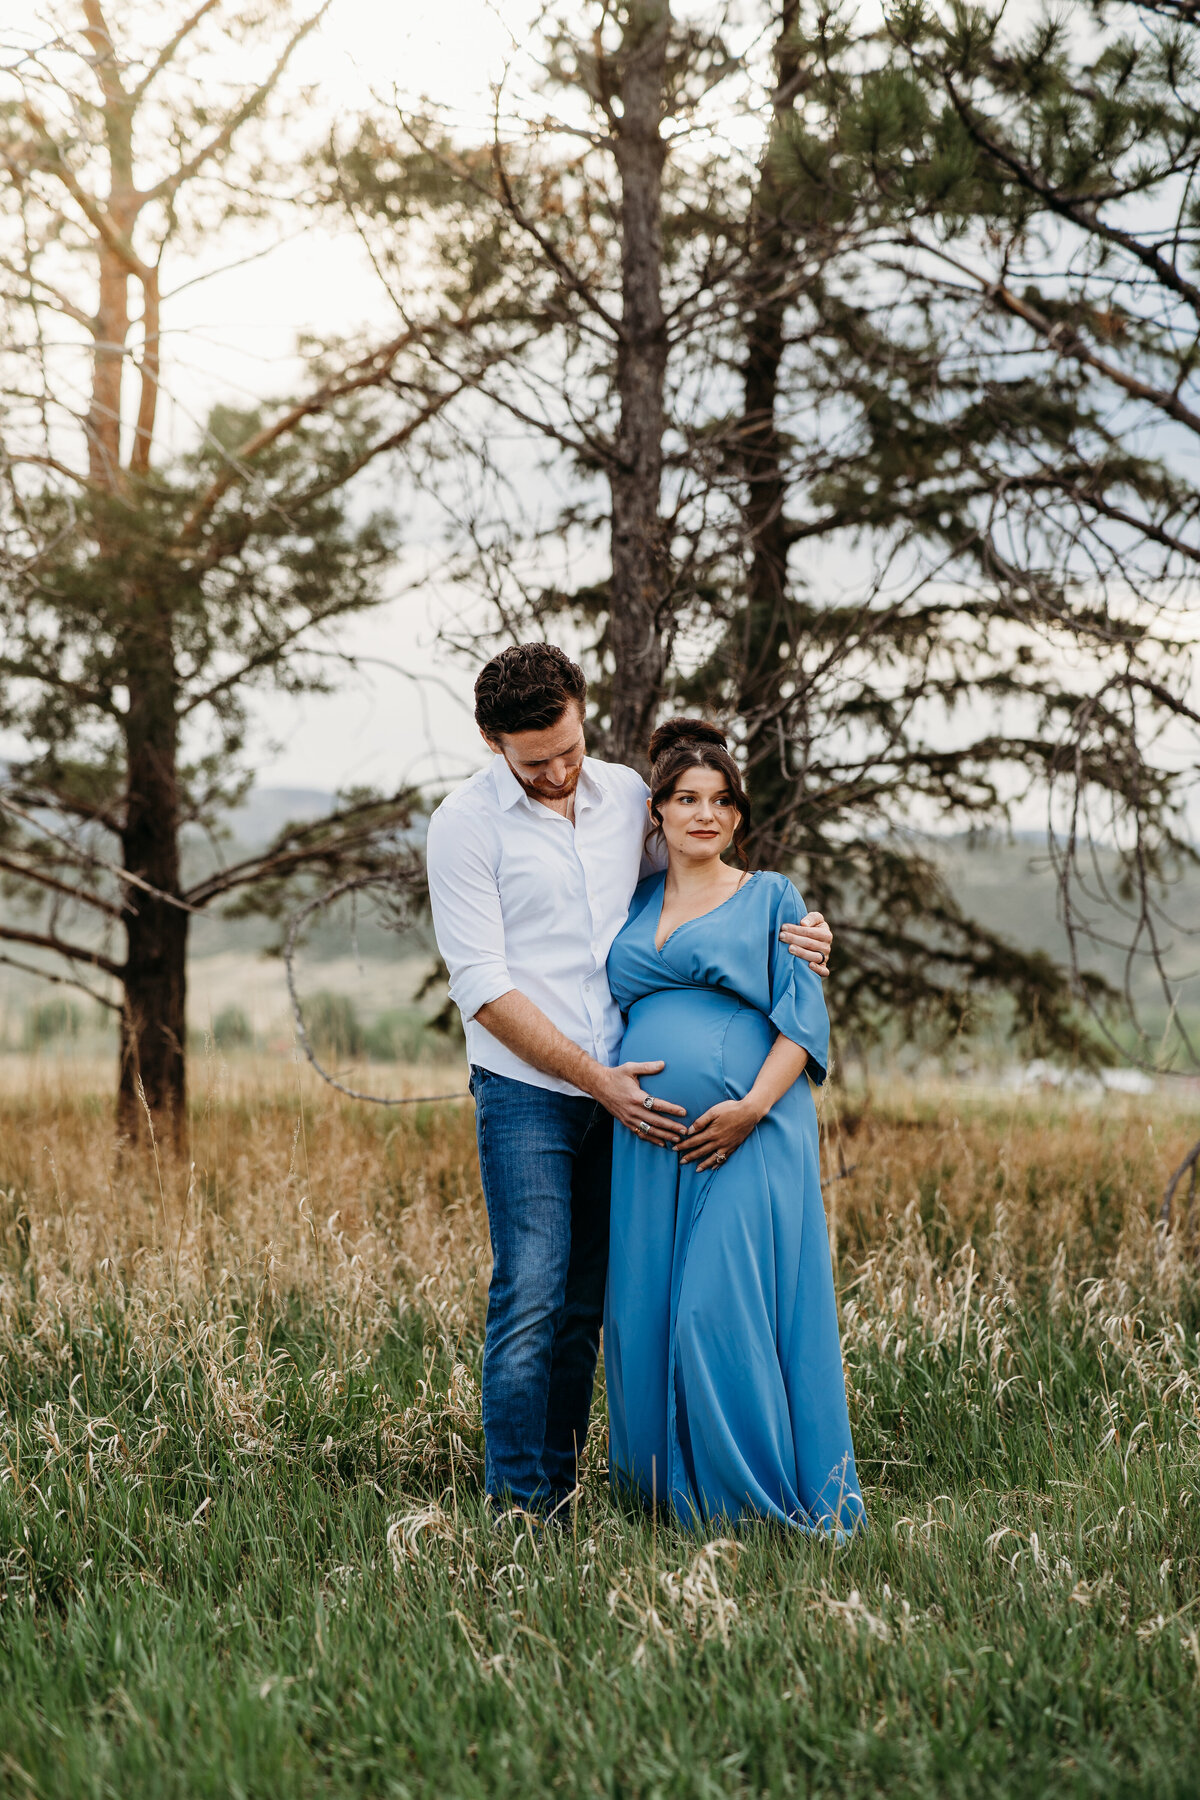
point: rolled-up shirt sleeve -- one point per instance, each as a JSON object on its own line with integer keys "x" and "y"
{"x": 465, "y": 899}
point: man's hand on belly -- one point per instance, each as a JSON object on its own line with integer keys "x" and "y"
{"x": 812, "y": 939}
{"x": 524, "y": 1029}
{"x": 620, "y": 1092}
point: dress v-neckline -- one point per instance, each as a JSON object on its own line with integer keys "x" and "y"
{"x": 695, "y": 919}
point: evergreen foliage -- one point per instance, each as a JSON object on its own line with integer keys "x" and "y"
{"x": 145, "y": 594}
{"x": 840, "y": 382}
{"x": 917, "y": 545}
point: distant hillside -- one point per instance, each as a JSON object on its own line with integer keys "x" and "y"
{"x": 1010, "y": 887}
{"x": 266, "y": 810}
{"x": 250, "y": 827}
{"x": 1006, "y": 883}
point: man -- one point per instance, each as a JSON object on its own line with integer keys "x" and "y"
{"x": 532, "y": 865}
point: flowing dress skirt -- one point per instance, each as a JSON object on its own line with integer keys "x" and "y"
{"x": 725, "y": 1386}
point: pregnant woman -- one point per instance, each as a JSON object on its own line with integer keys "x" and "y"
{"x": 726, "y": 1395}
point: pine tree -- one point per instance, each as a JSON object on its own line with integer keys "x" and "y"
{"x": 861, "y": 505}
{"x": 1037, "y": 211}
{"x": 143, "y": 595}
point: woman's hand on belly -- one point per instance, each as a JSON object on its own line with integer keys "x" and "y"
{"x": 717, "y": 1133}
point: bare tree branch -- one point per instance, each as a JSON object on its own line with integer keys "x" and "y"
{"x": 220, "y": 141}
{"x": 167, "y": 53}
{"x": 296, "y": 850}
{"x": 1087, "y": 217}
{"x": 368, "y": 371}
{"x": 72, "y": 953}
{"x": 1064, "y": 340}
{"x": 72, "y": 981}
{"x": 30, "y": 872}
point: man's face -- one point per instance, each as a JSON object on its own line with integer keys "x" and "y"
{"x": 546, "y": 763}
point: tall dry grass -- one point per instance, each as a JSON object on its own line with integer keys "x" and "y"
{"x": 949, "y": 1212}
{"x": 283, "y": 1193}
{"x": 241, "y": 1539}
{"x": 288, "y": 1194}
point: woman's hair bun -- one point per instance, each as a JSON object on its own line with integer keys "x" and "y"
{"x": 678, "y": 731}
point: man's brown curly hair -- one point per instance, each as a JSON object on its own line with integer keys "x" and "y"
{"x": 527, "y": 687}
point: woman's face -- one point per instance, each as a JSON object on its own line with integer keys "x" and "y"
{"x": 699, "y": 816}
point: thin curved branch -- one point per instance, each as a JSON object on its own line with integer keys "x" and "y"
{"x": 73, "y": 981}
{"x": 167, "y": 53}
{"x": 1079, "y": 213}
{"x": 371, "y": 371}
{"x": 170, "y": 184}
{"x": 88, "y": 858}
{"x": 355, "y": 884}
{"x": 42, "y": 879}
{"x": 556, "y": 260}
{"x": 1062, "y": 339}
{"x": 1190, "y": 1163}
{"x": 286, "y": 857}
{"x": 72, "y": 953}
{"x": 46, "y": 462}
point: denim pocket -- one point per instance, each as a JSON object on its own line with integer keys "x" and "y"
{"x": 478, "y": 1087}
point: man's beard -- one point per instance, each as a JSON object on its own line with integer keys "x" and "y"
{"x": 538, "y": 792}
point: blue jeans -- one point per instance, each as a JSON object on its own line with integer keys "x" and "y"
{"x": 546, "y": 1163}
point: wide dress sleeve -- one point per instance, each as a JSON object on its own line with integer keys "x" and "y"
{"x": 797, "y": 1003}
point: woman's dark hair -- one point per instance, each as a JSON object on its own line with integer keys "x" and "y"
{"x": 682, "y": 744}
{"x": 527, "y": 687}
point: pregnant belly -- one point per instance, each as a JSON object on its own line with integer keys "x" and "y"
{"x": 712, "y": 1044}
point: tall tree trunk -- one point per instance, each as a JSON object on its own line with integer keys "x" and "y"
{"x": 765, "y": 623}
{"x": 154, "y": 1024}
{"x": 116, "y": 260}
{"x": 641, "y": 578}
{"x": 153, "y": 1020}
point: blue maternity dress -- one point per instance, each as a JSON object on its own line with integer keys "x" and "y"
{"x": 725, "y": 1387}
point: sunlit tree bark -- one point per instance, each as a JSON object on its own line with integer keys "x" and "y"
{"x": 143, "y": 594}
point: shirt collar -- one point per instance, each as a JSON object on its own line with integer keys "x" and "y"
{"x": 509, "y": 790}
{"x": 589, "y": 792}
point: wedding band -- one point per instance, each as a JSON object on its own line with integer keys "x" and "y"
{"x": 648, "y": 1102}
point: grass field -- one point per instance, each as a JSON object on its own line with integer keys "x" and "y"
{"x": 241, "y": 1543}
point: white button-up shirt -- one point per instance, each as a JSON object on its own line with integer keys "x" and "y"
{"x": 524, "y": 899}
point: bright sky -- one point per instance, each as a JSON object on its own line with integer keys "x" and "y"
{"x": 240, "y": 333}
{"x": 233, "y": 338}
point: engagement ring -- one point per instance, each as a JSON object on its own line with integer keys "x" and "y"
{"x": 720, "y": 1157}
{"x": 648, "y": 1102}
